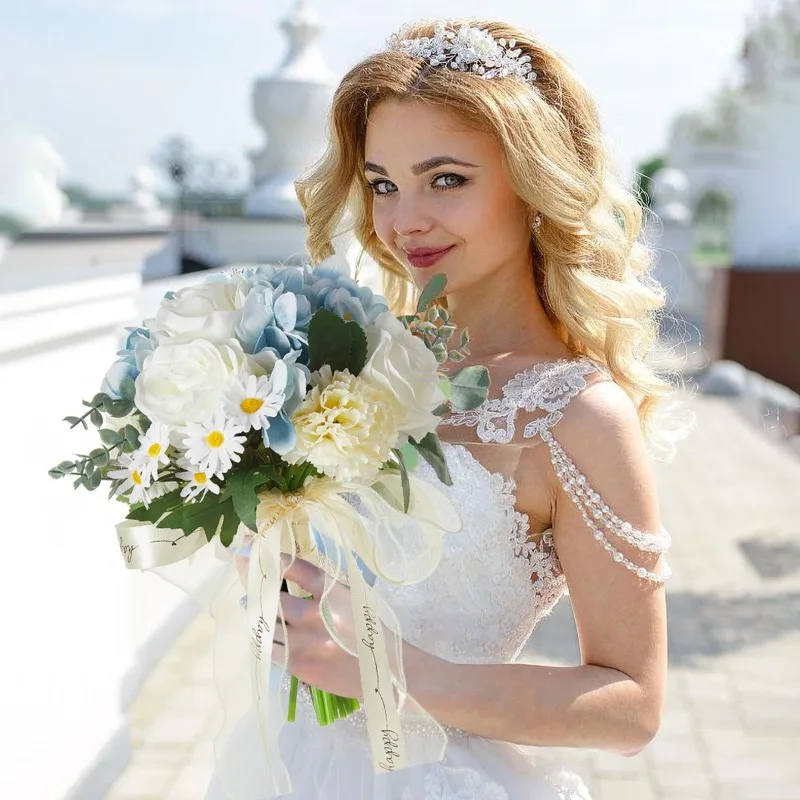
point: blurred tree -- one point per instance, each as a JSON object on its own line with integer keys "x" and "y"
{"x": 644, "y": 178}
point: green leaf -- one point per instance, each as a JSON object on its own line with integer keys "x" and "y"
{"x": 456, "y": 355}
{"x": 410, "y": 455}
{"x": 358, "y": 347}
{"x": 339, "y": 344}
{"x": 433, "y": 289}
{"x": 404, "y": 480}
{"x": 205, "y": 514}
{"x": 80, "y": 481}
{"x": 328, "y": 341}
{"x": 441, "y": 410}
{"x": 131, "y": 436}
{"x": 243, "y": 484}
{"x": 99, "y": 457}
{"x": 469, "y": 387}
{"x": 99, "y": 399}
{"x": 430, "y": 448}
{"x": 56, "y": 473}
{"x": 120, "y": 408}
{"x": 73, "y": 421}
{"x": 111, "y": 438}
{"x": 97, "y": 418}
{"x": 158, "y": 507}
{"x": 230, "y": 523}
{"x": 127, "y": 388}
{"x": 93, "y": 481}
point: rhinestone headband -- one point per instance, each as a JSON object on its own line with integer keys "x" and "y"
{"x": 469, "y": 49}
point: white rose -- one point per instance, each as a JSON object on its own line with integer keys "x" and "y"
{"x": 181, "y": 382}
{"x": 208, "y": 310}
{"x": 399, "y": 361}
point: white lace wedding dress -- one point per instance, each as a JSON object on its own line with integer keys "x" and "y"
{"x": 496, "y": 580}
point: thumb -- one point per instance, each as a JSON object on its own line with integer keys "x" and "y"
{"x": 305, "y": 575}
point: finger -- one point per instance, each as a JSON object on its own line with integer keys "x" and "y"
{"x": 306, "y": 575}
{"x": 295, "y": 609}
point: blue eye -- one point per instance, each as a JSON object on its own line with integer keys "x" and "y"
{"x": 382, "y": 187}
{"x": 448, "y": 181}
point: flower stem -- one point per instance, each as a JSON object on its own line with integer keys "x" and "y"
{"x": 293, "y": 699}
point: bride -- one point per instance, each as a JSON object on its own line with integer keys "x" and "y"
{"x": 473, "y": 150}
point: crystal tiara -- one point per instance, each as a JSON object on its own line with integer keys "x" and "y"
{"x": 468, "y": 49}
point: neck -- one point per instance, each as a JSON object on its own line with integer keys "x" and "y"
{"x": 506, "y": 319}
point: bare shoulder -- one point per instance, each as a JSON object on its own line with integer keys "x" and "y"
{"x": 600, "y": 431}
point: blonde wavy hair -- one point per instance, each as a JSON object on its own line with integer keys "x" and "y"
{"x": 591, "y": 269}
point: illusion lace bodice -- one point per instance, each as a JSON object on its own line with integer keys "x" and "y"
{"x": 495, "y": 580}
{"x": 480, "y": 605}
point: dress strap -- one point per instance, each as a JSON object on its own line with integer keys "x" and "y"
{"x": 598, "y": 515}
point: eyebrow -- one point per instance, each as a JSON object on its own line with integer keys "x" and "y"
{"x": 423, "y": 166}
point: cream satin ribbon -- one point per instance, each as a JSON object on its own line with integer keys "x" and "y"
{"x": 355, "y": 521}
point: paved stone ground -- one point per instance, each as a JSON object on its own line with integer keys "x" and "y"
{"x": 731, "y": 731}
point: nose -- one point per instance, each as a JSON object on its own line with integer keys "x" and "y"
{"x": 411, "y": 218}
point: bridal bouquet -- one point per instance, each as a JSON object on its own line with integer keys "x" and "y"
{"x": 256, "y": 401}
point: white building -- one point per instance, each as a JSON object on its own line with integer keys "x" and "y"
{"x": 728, "y": 195}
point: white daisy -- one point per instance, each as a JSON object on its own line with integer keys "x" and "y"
{"x": 214, "y": 443}
{"x": 199, "y": 482}
{"x": 153, "y": 449}
{"x": 133, "y": 478}
{"x": 251, "y": 401}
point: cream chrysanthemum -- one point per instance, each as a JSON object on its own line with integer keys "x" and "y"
{"x": 345, "y": 427}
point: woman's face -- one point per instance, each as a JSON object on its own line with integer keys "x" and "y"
{"x": 442, "y": 199}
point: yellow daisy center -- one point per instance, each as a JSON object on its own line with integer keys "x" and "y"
{"x": 154, "y": 451}
{"x": 136, "y": 477}
{"x": 347, "y": 316}
{"x": 215, "y": 439}
{"x": 251, "y": 404}
{"x": 200, "y": 478}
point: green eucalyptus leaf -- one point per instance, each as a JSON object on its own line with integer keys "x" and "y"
{"x": 111, "y": 438}
{"x": 404, "y": 482}
{"x": 97, "y": 418}
{"x": 430, "y": 448}
{"x": 441, "y": 410}
{"x": 127, "y": 388}
{"x": 99, "y": 399}
{"x": 93, "y": 481}
{"x": 120, "y": 408}
{"x": 99, "y": 457}
{"x": 131, "y": 436}
{"x": 73, "y": 421}
{"x": 409, "y": 456}
{"x": 79, "y": 481}
{"x": 56, "y": 473}
{"x": 433, "y": 289}
{"x": 469, "y": 387}
{"x": 456, "y": 355}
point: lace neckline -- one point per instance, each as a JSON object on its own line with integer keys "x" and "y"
{"x": 547, "y": 386}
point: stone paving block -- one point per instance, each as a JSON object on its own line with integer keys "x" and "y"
{"x": 682, "y": 784}
{"x": 622, "y": 789}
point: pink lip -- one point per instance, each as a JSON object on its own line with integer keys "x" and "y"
{"x": 423, "y": 257}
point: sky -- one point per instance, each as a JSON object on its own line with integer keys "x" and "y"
{"x": 108, "y": 80}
